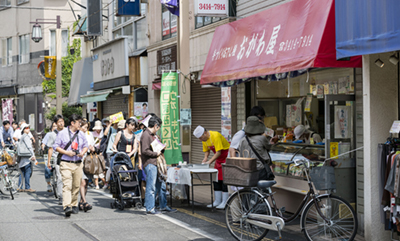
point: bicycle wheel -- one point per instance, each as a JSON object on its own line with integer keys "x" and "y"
{"x": 342, "y": 220}
{"x": 14, "y": 175}
{"x": 242, "y": 203}
{"x": 54, "y": 184}
{"x": 7, "y": 186}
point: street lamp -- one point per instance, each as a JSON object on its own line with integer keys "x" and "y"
{"x": 36, "y": 33}
{"x": 36, "y": 37}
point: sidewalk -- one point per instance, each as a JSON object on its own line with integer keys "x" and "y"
{"x": 37, "y": 216}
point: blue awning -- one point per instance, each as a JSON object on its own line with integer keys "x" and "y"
{"x": 366, "y": 27}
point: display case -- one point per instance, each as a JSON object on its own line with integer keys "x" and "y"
{"x": 282, "y": 153}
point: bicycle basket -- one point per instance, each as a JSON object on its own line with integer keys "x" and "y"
{"x": 323, "y": 177}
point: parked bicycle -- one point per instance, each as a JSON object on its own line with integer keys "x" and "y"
{"x": 9, "y": 175}
{"x": 249, "y": 215}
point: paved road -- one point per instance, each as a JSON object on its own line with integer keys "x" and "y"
{"x": 37, "y": 216}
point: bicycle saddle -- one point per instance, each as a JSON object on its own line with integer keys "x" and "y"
{"x": 263, "y": 184}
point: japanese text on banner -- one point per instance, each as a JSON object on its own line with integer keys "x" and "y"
{"x": 170, "y": 115}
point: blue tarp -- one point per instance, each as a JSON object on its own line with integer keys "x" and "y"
{"x": 366, "y": 27}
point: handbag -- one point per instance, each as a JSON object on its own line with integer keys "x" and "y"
{"x": 66, "y": 147}
{"x": 93, "y": 164}
{"x": 270, "y": 174}
{"x": 162, "y": 168}
{"x": 23, "y": 150}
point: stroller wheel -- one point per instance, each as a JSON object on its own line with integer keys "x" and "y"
{"x": 138, "y": 205}
{"x": 120, "y": 206}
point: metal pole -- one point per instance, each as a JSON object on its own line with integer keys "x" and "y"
{"x": 58, "y": 68}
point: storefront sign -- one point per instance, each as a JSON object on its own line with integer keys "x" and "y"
{"x": 342, "y": 122}
{"x": 226, "y": 129}
{"x": 166, "y": 59}
{"x": 128, "y": 8}
{"x": 211, "y": 8}
{"x": 112, "y": 61}
{"x": 92, "y": 107}
{"x": 186, "y": 117}
{"x": 7, "y": 110}
{"x": 169, "y": 103}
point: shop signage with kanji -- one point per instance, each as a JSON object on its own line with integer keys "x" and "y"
{"x": 169, "y": 103}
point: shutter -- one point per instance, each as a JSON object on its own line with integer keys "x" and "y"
{"x": 114, "y": 104}
{"x": 206, "y": 111}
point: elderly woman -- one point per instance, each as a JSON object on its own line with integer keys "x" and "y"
{"x": 258, "y": 141}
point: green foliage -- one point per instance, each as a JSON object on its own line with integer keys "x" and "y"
{"x": 67, "y": 65}
{"x": 66, "y": 110}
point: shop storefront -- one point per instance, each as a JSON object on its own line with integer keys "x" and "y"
{"x": 111, "y": 88}
{"x": 288, "y": 54}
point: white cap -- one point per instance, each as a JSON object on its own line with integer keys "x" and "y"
{"x": 23, "y": 126}
{"x": 299, "y": 131}
{"x": 199, "y": 131}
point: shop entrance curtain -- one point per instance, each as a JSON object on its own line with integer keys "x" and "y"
{"x": 367, "y": 27}
{"x": 292, "y": 36}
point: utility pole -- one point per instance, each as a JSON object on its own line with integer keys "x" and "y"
{"x": 58, "y": 68}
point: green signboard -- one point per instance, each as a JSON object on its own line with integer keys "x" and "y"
{"x": 169, "y": 104}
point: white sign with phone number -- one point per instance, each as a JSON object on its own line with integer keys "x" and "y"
{"x": 211, "y": 8}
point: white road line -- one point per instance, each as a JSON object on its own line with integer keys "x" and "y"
{"x": 172, "y": 220}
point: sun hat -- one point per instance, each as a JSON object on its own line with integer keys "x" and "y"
{"x": 103, "y": 122}
{"x": 121, "y": 124}
{"x": 199, "y": 131}
{"x": 23, "y": 126}
{"x": 254, "y": 126}
{"x": 98, "y": 125}
{"x": 299, "y": 131}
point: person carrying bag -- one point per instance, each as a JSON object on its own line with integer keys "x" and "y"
{"x": 25, "y": 156}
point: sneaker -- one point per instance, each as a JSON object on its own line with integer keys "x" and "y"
{"x": 49, "y": 188}
{"x": 75, "y": 210}
{"x": 105, "y": 186}
{"x": 168, "y": 210}
{"x": 20, "y": 190}
{"x": 154, "y": 212}
{"x": 59, "y": 201}
{"x": 30, "y": 190}
{"x": 97, "y": 187}
{"x": 67, "y": 211}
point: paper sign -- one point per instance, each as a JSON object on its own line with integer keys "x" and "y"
{"x": 307, "y": 107}
{"x": 146, "y": 120}
{"x": 326, "y": 88}
{"x": 269, "y": 132}
{"x": 320, "y": 91}
{"x": 343, "y": 85}
{"x": 333, "y": 88}
{"x": 342, "y": 122}
{"x": 157, "y": 146}
{"x": 334, "y": 150}
{"x": 395, "y": 127}
{"x": 116, "y": 117}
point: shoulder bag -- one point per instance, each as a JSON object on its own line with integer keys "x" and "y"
{"x": 23, "y": 150}
{"x": 270, "y": 174}
{"x": 66, "y": 147}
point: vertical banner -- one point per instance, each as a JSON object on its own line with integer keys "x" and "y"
{"x": 50, "y": 67}
{"x": 226, "y": 113}
{"x": 169, "y": 104}
{"x": 7, "y": 110}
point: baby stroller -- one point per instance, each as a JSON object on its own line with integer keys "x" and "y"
{"x": 124, "y": 183}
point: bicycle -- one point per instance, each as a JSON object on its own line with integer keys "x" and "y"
{"x": 249, "y": 216}
{"x": 7, "y": 186}
{"x": 53, "y": 179}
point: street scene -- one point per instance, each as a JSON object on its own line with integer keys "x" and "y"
{"x": 200, "y": 120}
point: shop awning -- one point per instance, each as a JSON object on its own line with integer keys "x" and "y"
{"x": 367, "y": 27}
{"x": 82, "y": 77}
{"x": 95, "y": 96}
{"x": 297, "y": 35}
{"x": 156, "y": 85}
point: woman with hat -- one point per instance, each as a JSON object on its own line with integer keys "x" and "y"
{"x": 97, "y": 135}
{"x": 25, "y": 161}
{"x": 255, "y": 134}
{"x": 305, "y": 136}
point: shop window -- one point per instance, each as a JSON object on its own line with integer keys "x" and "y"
{"x": 169, "y": 24}
{"x": 64, "y": 43}
{"x": 204, "y": 21}
{"x": 4, "y": 52}
{"x": 24, "y": 49}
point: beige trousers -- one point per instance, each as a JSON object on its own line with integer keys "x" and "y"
{"x": 71, "y": 176}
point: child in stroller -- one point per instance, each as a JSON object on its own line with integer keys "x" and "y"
{"x": 124, "y": 184}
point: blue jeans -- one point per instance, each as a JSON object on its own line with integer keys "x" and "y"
{"x": 26, "y": 173}
{"x": 154, "y": 187}
{"x": 47, "y": 174}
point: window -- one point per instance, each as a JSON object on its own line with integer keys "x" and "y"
{"x": 3, "y": 52}
{"x": 117, "y": 33}
{"x": 141, "y": 30}
{"x": 22, "y": 1}
{"x": 169, "y": 24}
{"x": 24, "y": 49}
{"x": 9, "y": 51}
{"x": 5, "y": 4}
{"x": 203, "y": 21}
{"x": 64, "y": 43}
